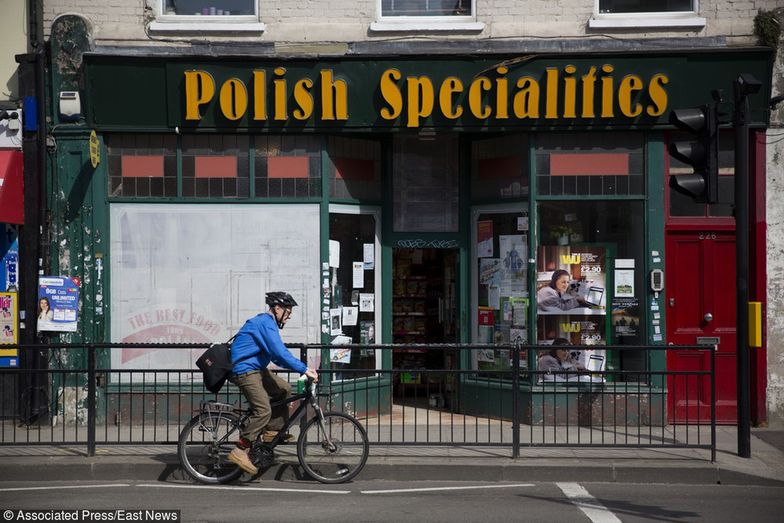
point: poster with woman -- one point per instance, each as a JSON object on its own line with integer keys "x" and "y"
{"x": 571, "y": 281}
{"x": 58, "y": 303}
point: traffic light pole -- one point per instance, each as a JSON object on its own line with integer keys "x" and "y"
{"x": 741, "y": 125}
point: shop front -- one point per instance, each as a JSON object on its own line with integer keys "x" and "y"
{"x": 440, "y": 200}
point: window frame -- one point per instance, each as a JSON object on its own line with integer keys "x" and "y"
{"x": 204, "y": 24}
{"x": 690, "y": 18}
{"x": 426, "y": 23}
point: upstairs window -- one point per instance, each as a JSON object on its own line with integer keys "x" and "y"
{"x": 209, "y": 7}
{"x": 426, "y": 15}
{"x": 427, "y": 8}
{"x": 646, "y": 13}
{"x": 206, "y": 16}
{"x": 646, "y": 6}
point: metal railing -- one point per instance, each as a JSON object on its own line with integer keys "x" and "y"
{"x": 510, "y": 405}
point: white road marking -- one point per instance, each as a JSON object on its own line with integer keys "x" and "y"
{"x": 260, "y": 489}
{"x": 56, "y": 487}
{"x": 434, "y": 489}
{"x": 590, "y": 506}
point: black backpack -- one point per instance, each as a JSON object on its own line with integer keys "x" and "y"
{"x": 216, "y": 366}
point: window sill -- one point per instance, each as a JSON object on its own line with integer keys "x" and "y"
{"x": 207, "y": 27}
{"x": 411, "y": 26}
{"x": 632, "y": 21}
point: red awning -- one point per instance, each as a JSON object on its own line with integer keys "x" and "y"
{"x": 11, "y": 187}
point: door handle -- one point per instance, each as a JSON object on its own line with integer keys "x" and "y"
{"x": 708, "y": 317}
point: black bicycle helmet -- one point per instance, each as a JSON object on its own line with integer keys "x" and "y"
{"x": 283, "y": 299}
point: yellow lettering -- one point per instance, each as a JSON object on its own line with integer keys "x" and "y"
{"x": 233, "y": 99}
{"x": 526, "y": 100}
{"x": 303, "y": 98}
{"x": 629, "y": 85}
{"x": 450, "y": 86}
{"x": 281, "y": 111}
{"x": 421, "y": 99}
{"x": 589, "y": 82}
{"x": 502, "y": 95}
{"x": 334, "y": 97}
{"x": 570, "y": 259}
{"x": 478, "y": 86}
{"x": 607, "y": 92}
{"x": 391, "y": 94}
{"x": 570, "y": 93}
{"x": 199, "y": 90}
{"x": 551, "y": 101}
{"x": 259, "y": 95}
{"x": 658, "y": 94}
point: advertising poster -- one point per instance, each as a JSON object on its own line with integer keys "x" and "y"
{"x": 484, "y": 239}
{"x": 9, "y": 262}
{"x": 58, "y": 303}
{"x": 9, "y": 306}
{"x": 571, "y": 281}
{"x": 626, "y": 317}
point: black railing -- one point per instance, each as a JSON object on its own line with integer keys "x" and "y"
{"x": 509, "y": 405}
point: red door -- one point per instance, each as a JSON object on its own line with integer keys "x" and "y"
{"x": 700, "y": 289}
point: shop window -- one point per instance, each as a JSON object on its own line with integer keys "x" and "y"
{"x": 425, "y": 183}
{"x": 590, "y": 281}
{"x": 645, "y": 13}
{"x": 194, "y": 273}
{"x": 595, "y": 164}
{"x": 499, "y": 168}
{"x": 142, "y": 165}
{"x": 500, "y": 276}
{"x": 206, "y": 15}
{"x": 683, "y": 205}
{"x": 353, "y": 289}
{"x": 287, "y": 166}
{"x": 215, "y": 166}
{"x": 355, "y": 171}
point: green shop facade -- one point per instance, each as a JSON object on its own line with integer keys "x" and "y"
{"x": 408, "y": 200}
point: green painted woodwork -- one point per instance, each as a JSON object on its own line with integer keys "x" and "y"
{"x": 655, "y": 155}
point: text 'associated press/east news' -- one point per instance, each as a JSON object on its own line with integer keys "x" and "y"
{"x": 90, "y": 515}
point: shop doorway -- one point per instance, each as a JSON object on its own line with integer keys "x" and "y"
{"x": 424, "y": 311}
{"x": 701, "y": 309}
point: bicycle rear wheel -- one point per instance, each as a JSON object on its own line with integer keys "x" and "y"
{"x": 334, "y": 452}
{"x": 204, "y": 447}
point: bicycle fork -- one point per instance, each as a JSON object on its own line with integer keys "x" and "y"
{"x": 330, "y": 446}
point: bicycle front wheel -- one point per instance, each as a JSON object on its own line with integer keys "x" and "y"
{"x": 333, "y": 451}
{"x": 204, "y": 446}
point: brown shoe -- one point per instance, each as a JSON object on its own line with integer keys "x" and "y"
{"x": 269, "y": 435}
{"x": 241, "y": 458}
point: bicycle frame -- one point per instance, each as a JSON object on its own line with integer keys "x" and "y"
{"x": 305, "y": 398}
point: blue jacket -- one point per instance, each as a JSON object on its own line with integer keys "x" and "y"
{"x": 258, "y": 343}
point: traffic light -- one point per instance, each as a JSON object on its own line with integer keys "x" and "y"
{"x": 702, "y": 153}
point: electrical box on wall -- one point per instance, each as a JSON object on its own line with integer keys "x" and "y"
{"x": 11, "y": 129}
{"x": 70, "y": 105}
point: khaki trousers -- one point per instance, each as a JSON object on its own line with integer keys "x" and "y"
{"x": 260, "y": 388}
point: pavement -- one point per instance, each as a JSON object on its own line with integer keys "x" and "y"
{"x": 21, "y": 463}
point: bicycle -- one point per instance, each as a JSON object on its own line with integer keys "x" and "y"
{"x": 331, "y": 448}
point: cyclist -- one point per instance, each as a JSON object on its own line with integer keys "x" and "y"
{"x": 257, "y": 344}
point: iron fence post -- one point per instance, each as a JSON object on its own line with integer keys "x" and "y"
{"x": 713, "y": 401}
{"x": 91, "y": 392}
{"x": 516, "y": 400}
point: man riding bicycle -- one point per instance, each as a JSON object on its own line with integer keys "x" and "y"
{"x": 257, "y": 344}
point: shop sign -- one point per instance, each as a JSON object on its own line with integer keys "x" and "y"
{"x": 594, "y": 92}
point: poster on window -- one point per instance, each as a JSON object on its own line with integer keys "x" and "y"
{"x": 626, "y": 318}
{"x": 58, "y": 303}
{"x": 484, "y": 239}
{"x": 571, "y": 280}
